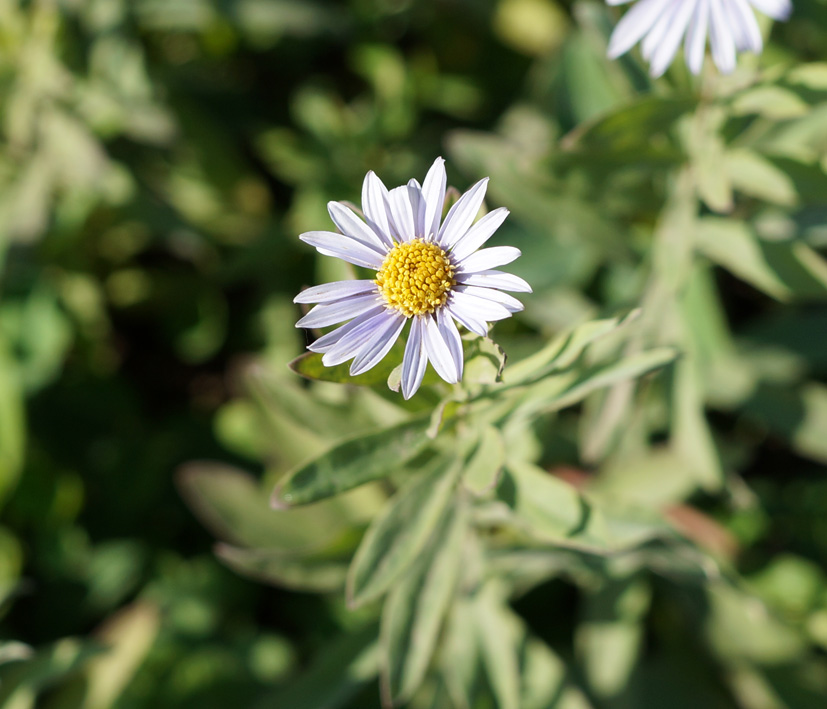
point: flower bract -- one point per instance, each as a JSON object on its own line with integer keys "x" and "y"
{"x": 661, "y": 25}
{"x": 430, "y": 272}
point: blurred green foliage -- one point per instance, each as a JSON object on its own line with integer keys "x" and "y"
{"x": 614, "y": 538}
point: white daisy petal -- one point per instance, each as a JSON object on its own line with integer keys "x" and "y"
{"x": 635, "y": 24}
{"x": 777, "y": 9}
{"x": 339, "y": 311}
{"x": 438, "y": 353}
{"x": 433, "y": 200}
{"x": 469, "y": 317}
{"x": 720, "y": 38}
{"x": 665, "y": 52}
{"x": 462, "y": 215}
{"x": 414, "y": 360}
{"x": 510, "y": 303}
{"x": 450, "y": 334}
{"x": 352, "y": 341}
{"x": 484, "y": 309}
{"x": 377, "y": 346}
{"x": 374, "y": 207}
{"x": 661, "y": 25}
{"x": 343, "y": 247}
{"x": 334, "y": 291}
{"x": 658, "y": 32}
{"x": 399, "y": 202}
{"x": 696, "y": 37}
{"x": 750, "y": 33}
{"x": 415, "y": 195}
{"x": 478, "y": 234}
{"x": 350, "y": 225}
{"x": 488, "y": 258}
{"x": 495, "y": 279}
{"x": 328, "y": 341}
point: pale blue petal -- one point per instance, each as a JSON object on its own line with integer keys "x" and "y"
{"x": 462, "y": 215}
{"x": 438, "y": 353}
{"x": 433, "y": 199}
{"x": 336, "y": 290}
{"x": 478, "y": 234}
{"x": 379, "y": 343}
{"x": 339, "y": 311}
{"x": 414, "y": 360}
{"x": 488, "y": 258}
{"x": 350, "y": 225}
{"x": 343, "y": 247}
{"x": 495, "y": 279}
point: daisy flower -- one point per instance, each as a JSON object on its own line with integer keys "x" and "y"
{"x": 662, "y": 24}
{"x": 429, "y": 271}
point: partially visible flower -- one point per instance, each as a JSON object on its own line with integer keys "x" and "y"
{"x": 662, "y": 24}
{"x": 428, "y": 271}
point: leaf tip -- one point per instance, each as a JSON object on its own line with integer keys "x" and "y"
{"x": 280, "y": 500}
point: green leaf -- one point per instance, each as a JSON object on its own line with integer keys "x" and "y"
{"x": 398, "y": 535}
{"x": 352, "y": 463}
{"x": 740, "y": 627}
{"x": 11, "y": 651}
{"x": 484, "y": 361}
{"x": 812, "y": 76}
{"x": 780, "y": 269}
{"x": 545, "y": 680}
{"x": 557, "y": 392}
{"x": 609, "y": 637}
{"x": 773, "y": 102}
{"x": 690, "y": 428}
{"x": 562, "y": 352}
{"x": 129, "y": 636}
{"x": 309, "y": 365}
{"x": 23, "y": 681}
{"x": 12, "y": 426}
{"x": 498, "y": 633}
{"x": 459, "y": 653}
{"x": 235, "y": 508}
{"x": 799, "y": 415}
{"x": 707, "y": 148}
{"x": 414, "y": 611}
{"x": 300, "y": 572}
{"x": 337, "y": 673}
{"x": 754, "y": 175}
{"x": 483, "y": 469}
{"x": 550, "y": 509}
{"x": 632, "y": 126}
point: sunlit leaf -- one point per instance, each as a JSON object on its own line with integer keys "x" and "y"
{"x": 414, "y": 611}
{"x": 353, "y": 463}
{"x": 399, "y": 534}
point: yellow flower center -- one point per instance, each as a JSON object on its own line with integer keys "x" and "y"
{"x": 416, "y": 277}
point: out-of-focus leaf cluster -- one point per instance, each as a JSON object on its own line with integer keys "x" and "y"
{"x": 633, "y": 516}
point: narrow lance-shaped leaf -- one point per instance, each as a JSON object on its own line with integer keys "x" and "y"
{"x": 558, "y": 392}
{"x": 395, "y": 539}
{"x": 564, "y": 351}
{"x": 609, "y": 637}
{"x": 499, "y": 632}
{"x": 345, "y": 665}
{"x": 310, "y": 366}
{"x": 459, "y": 653}
{"x": 301, "y": 572}
{"x": 352, "y": 463}
{"x": 413, "y": 614}
{"x": 485, "y": 465}
{"x": 550, "y": 509}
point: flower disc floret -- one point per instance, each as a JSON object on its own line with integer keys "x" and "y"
{"x": 416, "y": 277}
